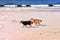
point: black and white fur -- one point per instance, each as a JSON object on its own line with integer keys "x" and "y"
{"x": 25, "y": 23}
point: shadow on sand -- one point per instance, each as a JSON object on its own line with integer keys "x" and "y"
{"x": 41, "y": 25}
{"x": 36, "y": 26}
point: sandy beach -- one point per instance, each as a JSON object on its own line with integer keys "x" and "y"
{"x": 11, "y": 28}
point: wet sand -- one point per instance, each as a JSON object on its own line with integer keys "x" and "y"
{"x": 11, "y": 28}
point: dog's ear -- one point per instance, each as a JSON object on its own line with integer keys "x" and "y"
{"x": 31, "y": 18}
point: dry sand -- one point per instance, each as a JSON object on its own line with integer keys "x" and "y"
{"x": 11, "y": 29}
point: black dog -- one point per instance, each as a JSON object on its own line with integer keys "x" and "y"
{"x": 26, "y": 23}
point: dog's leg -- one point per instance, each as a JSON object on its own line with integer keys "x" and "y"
{"x": 39, "y": 23}
{"x": 36, "y": 22}
{"x": 30, "y": 25}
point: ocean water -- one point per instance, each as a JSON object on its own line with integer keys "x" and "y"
{"x": 29, "y": 1}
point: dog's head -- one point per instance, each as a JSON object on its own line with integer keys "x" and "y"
{"x": 21, "y": 21}
{"x": 40, "y": 20}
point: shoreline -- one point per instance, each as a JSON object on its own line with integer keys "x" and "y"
{"x": 18, "y": 9}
